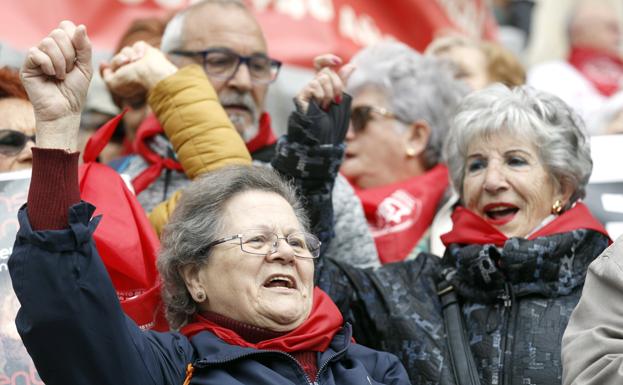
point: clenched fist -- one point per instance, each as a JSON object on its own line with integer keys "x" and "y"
{"x": 56, "y": 75}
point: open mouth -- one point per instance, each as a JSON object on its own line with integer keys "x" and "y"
{"x": 280, "y": 281}
{"x": 500, "y": 213}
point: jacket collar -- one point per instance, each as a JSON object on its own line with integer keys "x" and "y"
{"x": 212, "y": 350}
{"x": 550, "y": 266}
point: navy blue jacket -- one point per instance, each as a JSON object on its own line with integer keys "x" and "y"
{"x": 74, "y": 328}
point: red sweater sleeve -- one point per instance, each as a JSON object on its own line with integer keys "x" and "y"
{"x": 53, "y": 188}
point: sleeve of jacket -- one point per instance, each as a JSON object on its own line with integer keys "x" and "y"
{"x": 198, "y": 127}
{"x": 70, "y": 319}
{"x": 592, "y": 346}
{"x": 310, "y": 156}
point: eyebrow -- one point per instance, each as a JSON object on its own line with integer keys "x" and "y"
{"x": 513, "y": 150}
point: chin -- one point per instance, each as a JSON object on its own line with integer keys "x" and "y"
{"x": 285, "y": 315}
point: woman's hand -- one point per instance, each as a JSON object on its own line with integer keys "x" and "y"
{"x": 135, "y": 70}
{"x": 56, "y": 75}
{"x": 327, "y": 86}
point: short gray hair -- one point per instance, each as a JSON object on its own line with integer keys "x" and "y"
{"x": 198, "y": 220}
{"x": 173, "y": 37}
{"x": 416, "y": 87}
{"x": 557, "y": 132}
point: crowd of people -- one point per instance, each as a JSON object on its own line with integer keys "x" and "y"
{"x": 421, "y": 221}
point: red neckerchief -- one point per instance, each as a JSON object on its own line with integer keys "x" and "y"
{"x": 400, "y": 213}
{"x": 603, "y": 69}
{"x": 469, "y": 228}
{"x": 265, "y": 136}
{"x": 315, "y": 334}
{"x": 150, "y": 127}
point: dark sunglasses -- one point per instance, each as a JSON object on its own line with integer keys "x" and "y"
{"x": 361, "y": 115}
{"x": 12, "y": 142}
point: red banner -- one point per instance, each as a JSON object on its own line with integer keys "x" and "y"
{"x": 297, "y": 30}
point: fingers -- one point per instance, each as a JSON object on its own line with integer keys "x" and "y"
{"x": 49, "y": 46}
{"x": 63, "y": 41}
{"x": 57, "y": 53}
{"x": 326, "y": 60}
{"x": 38, "y": 62}
{"x": 345, "y": 72}
{"x": 82, "y": 45}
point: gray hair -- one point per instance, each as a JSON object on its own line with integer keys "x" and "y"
{"x": 198, "y": 220}
{"x": 557, "y": 132}
{"x": 173, "y": 37}
{"x": 416, "y": 87}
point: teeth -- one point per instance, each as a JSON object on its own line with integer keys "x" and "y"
{"x": 282, "y": 278}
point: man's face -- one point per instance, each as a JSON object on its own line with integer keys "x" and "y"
{"x": 229, "y": 27}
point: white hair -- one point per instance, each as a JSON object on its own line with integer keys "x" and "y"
{"x": 557, "y": 132}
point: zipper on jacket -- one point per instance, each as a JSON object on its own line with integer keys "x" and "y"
{"x": 509, "y": 324}
{"x": 203, "y": 363}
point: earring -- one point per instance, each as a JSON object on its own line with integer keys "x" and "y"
{"x": 410, "y": 151}
{"x": 557, "y": 207}
{"x": 201, "y": 296}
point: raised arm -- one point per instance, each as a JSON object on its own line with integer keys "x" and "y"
{"x": 186, "y": 106}
{"x": 311, "y": 153}
{"x": 70, "y": 319}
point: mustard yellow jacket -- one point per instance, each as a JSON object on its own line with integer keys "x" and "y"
{"x": 197, "y": 126}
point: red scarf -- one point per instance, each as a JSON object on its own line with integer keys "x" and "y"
{"x": 151, "y": 127}
{"x": 400, "y": 213}
{"x": 469, "y": 228}
{"x": 315, "y": 334}
{"x": 265, "y": 136}
{"x": 603, "y": 69}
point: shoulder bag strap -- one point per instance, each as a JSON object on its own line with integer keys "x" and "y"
{"x": 463, "y": 365}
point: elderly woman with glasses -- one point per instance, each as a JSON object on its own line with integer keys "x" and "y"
{"x": 237, "y": 265}
{"x": 402, "y": 105}
{"x": 17, "y": 123}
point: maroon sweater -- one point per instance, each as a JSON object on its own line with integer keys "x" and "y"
{"x": 54, "y": 189}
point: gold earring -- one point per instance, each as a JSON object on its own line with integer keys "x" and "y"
{"x": 557, "y": 207}
{"x": 410, "y": 151}
{"x": 201, "y": 296}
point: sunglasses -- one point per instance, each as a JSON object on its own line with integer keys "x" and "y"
{"x": 361, "y": 115}
{"x": 12, "y": 142}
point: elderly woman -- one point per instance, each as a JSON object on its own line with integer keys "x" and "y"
{"x": 237, "y": 266}
{"x": 17, "y": 123}
{"x": 402, "y": 104}
{"x": 516, "y": 257}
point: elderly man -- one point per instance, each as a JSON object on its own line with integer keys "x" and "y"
{"x": 227, "y": 42}
{"x": 590, "y": 79}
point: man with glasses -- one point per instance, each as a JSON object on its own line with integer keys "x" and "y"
{"x": 227, "y": 42}
{"x": 224, "y": 39}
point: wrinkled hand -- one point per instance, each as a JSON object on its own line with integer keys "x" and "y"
{"x": 327, "y": 86}
{"x": 56, "y": 75}
{"x": 135, "y": 70}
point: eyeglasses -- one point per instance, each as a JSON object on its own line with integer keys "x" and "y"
{"x": 260, "y": 242}
{"x": 12, "y": 142}
{"x": 222, "y": 63}
{"x": 361, "y": 115}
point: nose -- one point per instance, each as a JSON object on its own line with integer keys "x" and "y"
{"x": 350, "y": 134}
{"x": 495, "y": 179}
{"x": 241, "y": 79}
{"x": 282, "y": 252}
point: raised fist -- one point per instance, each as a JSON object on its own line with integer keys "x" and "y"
{"x": 56, "y": 75}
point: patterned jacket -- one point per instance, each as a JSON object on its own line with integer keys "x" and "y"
{"x": 516, "y": 300}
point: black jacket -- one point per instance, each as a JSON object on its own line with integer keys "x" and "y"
{"x": 516, "y": 300}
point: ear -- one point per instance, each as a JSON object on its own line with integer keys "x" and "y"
{"x": 417, "y": 136}
{"x": 190, "y": 275}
